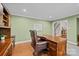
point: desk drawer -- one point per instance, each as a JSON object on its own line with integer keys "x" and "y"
{"x": 52, "y": 48}
{"x": 52, "y": 52}
{"x": 52, "y": 45}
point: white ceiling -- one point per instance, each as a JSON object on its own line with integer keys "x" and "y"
{"x": 44, "y": 11}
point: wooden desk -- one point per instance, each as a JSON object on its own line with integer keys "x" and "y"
{"x": 6, "y": 48}
{"x": 56, "y": 45}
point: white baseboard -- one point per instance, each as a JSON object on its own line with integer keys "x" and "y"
{"x": 30, "y": 41}
{"x": 22, "y": 42}
{"x": 72, "y": 42}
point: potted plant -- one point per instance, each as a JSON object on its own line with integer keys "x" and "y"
{"x": 2, "y": 38}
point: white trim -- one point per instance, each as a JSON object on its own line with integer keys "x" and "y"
{"x": 22, "y": 42}
{"x": 30, "y": 41}
{"x": 72, "y": 42}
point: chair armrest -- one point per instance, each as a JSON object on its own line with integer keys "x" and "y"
{"x": 39, "y": 43}
{"x": 39, "y": 38}
{"x": 41, "y": 46}
{"x": 42, "y": 38}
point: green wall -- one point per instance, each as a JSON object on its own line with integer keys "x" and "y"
{"x": 72, "y": 28}
{"x": 22, "y": 25}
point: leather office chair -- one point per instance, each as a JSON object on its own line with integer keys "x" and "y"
{"x": 38, "y": 45}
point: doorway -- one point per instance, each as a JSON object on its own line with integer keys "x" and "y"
{"x": 60, "y": 28}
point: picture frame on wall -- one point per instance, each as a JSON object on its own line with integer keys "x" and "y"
{"x": 38, "y": 27}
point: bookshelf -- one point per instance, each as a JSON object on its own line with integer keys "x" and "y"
{"x": 5, "y": 30}
{"x": 4, "y": 22}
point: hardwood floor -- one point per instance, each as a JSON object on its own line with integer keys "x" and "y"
{"x": 23, "y": 49}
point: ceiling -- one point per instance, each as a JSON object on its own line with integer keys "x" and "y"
{"x": 43, "y": 11}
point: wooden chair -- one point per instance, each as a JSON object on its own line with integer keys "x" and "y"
{"x": 38, "y": 45}
{"x": 13, "y": 40}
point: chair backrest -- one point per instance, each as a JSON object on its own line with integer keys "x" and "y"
{"x": 34, "y": 38}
